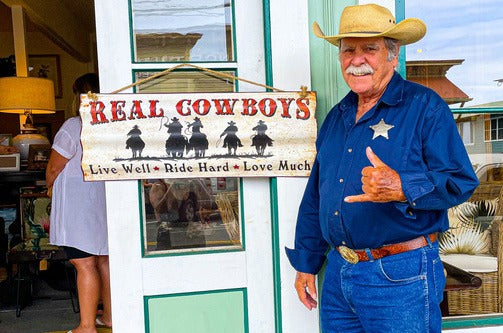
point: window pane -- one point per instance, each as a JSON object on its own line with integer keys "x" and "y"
{"x": 182, "y": 30}
{"x": 471, "y": 243}
{"x": 191, "y": 213}
{"x": 195, "y": 213}
{"x": 186, "y": 81}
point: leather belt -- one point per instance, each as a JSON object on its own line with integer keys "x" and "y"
{"x": 355, "y": 256}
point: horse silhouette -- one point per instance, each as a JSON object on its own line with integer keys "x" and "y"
{"x": 261, "y": 140}
{"x": 176, "y": 142}
{"x": 135, "y": 142}
{"x": 198, "y": 140}
{"x": 231, "y": 141}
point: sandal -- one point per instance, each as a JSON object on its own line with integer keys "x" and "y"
{"x": 100, "y": 324}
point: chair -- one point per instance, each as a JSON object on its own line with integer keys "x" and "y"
{"x": 474, "y": 243}
{"x": 35, "y": 250}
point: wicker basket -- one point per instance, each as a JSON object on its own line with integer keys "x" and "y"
{"x": 487, "y": 298}
{"x": 476, "y": 301}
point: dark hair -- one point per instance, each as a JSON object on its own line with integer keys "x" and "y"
{"x": 85, "y": 83}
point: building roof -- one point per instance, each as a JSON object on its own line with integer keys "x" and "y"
{"x": 431, "y": 73}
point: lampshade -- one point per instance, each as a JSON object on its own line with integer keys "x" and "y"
{"x": 22, "y": 94}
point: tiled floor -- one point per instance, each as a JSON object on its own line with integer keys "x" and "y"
{"x": 50, "y": 310}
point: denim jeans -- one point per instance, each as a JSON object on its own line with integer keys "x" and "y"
{"x": 399, "y": 293}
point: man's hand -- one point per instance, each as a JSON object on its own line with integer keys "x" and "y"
{"x": 306, "y": 289}
{"x": 380, "y": 183}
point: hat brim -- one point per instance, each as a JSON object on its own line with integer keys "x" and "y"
{"x": 406, "y": 32}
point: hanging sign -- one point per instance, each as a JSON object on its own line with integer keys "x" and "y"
{"x": 144, "y": 136}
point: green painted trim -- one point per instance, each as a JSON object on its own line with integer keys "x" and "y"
{"x": 400, "y": 16}
{"x": 267, "y": 43}
{"x": 146, "y": 314}
{"x": 276, "y": 253}
{"x": 131, "y": 35}
{"x": 142, "y": 218}
{"x": 326, "y": 75}
{"x": 243, "y": 291}
{"x": 476, "y": 110}
{"x": 472, "y": 322}
{"x": 234, "y": 46}
{"x": 273, "y": 188}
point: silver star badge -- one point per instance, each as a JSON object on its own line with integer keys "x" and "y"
{"x": 381, "y": 129}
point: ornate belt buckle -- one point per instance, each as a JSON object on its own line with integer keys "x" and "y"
{"x": 348, "y": 254}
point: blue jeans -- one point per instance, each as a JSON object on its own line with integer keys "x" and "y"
{"x": 399, "y": 293}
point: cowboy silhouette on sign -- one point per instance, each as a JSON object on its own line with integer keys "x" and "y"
{"x": 176, "y": 142}
{"x": 261, "y": 140}
{"x": 198, "y": 140}
{"x": 135, "y": 142}
{"x": 231, "y": 141}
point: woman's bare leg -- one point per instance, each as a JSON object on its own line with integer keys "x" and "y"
{"x": 88, "y": 284}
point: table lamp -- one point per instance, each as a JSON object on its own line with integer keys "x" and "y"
{"x": 27, "y": 96}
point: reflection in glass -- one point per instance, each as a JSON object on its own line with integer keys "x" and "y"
{"x": 191, "y": 213}
{"x": 182, "y": 30}
{"x": 472, "y": 45}
{"x": 473, "y": 245}
{"x": 185, "y": 81}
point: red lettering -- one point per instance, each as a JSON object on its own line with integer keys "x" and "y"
{"x": 223, "y": 106}
{"x": 97, "y": 111}
{"x": 285, "y": 103}
{"x": 206, "y": 106}
{"x": 180, "y": 105}
{"x": 249, "y": 108}
{"x": 303, "y": 109}
{"x": 117, "y": 112}
{"x": 136, "y": 110}
{"x": 267, "y": 109}
{"x": 153, "y": 109}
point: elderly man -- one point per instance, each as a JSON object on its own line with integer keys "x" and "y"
{"x": 390, "y": 163}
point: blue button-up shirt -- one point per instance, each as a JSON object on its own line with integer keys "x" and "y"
{"x": 418, "y": 139}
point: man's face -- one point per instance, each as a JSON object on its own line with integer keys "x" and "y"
{"x": 369, "y": 69}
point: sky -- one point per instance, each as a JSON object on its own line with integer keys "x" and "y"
{"x": 463, "y": 29}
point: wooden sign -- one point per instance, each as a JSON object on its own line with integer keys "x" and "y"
{"x": 144, "y": 136}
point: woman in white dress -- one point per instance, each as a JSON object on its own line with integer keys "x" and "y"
{"x": 78, "y": 217}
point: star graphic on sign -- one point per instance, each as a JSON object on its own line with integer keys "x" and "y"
{"x": 381, "y": 129}
{"x": 156, "y": 168}
{"x": 236, "y": 166}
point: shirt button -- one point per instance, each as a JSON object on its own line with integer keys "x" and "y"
{"x": 336, "y": 213}
{"x": 414, "y": 204}
{"x": 411, "y": 213}
{"x": 350, "y": 150}
{"x": 341, "y": 180}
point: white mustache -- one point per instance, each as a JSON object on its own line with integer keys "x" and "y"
{"x": 359, "y": 70}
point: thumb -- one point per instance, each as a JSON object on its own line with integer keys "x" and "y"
{"x": 376, "y": 161}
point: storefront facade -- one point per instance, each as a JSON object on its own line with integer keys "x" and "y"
{"x": 185, "y": 268}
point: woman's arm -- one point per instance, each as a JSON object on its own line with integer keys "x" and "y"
{"x": 55, "y": 165}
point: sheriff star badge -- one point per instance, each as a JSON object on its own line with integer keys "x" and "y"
{"x": 381, "y": 129}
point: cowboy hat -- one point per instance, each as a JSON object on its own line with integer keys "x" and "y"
{"x": 374, "y": 21}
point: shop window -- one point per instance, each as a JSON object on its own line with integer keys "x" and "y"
{"x": 193, "y": 213}
{"x": 464, "y": 52}
{"x": 186, "y": 81}
{"x": 179, "y": 214}
{"x": 182, "y": 31}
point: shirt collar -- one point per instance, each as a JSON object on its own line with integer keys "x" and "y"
{"x": 392, "y": 95}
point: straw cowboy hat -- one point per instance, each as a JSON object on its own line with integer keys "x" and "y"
{"x": 374, "y": 21}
